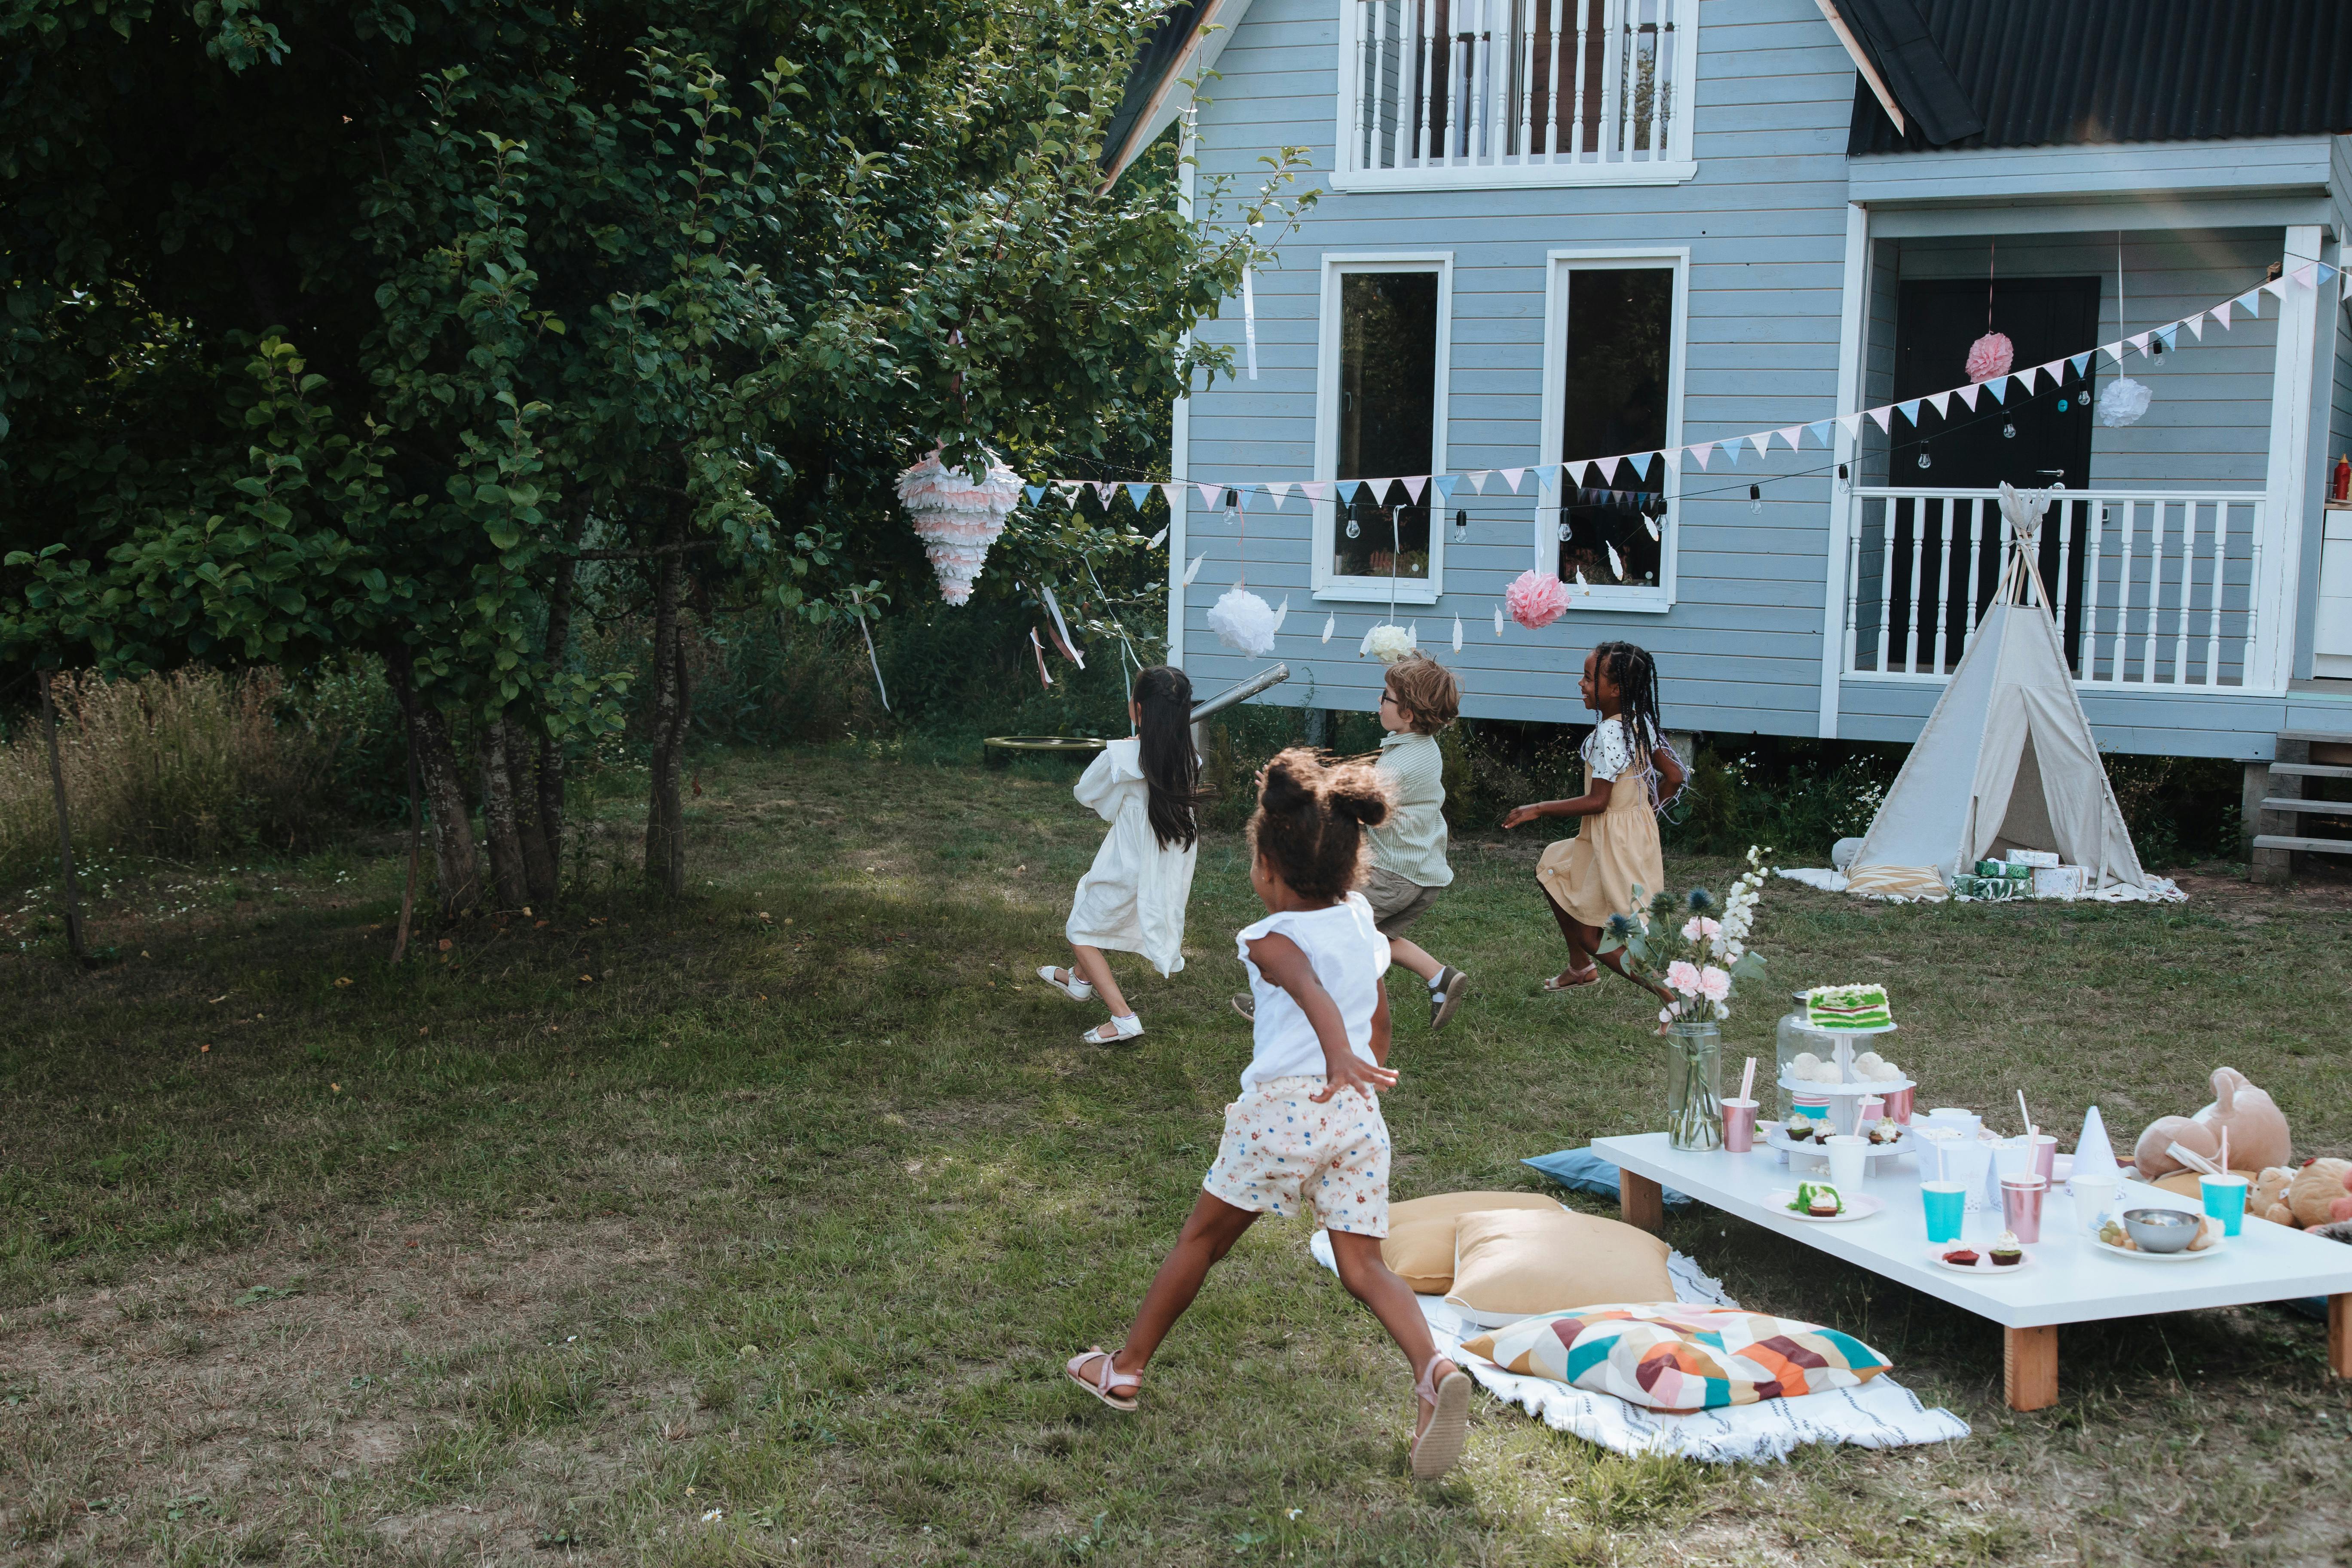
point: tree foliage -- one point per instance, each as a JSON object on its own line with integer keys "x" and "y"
{"x": 417, "y": 330}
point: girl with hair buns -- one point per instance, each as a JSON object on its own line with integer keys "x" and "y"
{"x": 1132, "y": 898}
{"x": 1613, "y": 864}
{"x": 1307, "y": 1131}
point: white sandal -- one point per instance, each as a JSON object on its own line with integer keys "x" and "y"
{"x": 1102, "y": 1382}
{"x": 1122, "y": 1031}
{"x": 1076, "y": 988}
{"x": 1438, "y": 1445}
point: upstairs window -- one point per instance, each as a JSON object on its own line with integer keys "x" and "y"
{"x": 1382, "y": 415}
{"x": 1496, "y": 92}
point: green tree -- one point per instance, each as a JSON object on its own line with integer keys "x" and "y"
{"x": 425, "y": 332}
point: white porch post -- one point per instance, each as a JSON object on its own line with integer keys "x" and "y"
{"x": 1852, "y": 313}
{"x": 2285, "y": 473}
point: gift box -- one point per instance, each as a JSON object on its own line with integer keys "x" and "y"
{"x": 2060, "y": 881}
{"x": 2004, "y": 869}
{"x": 2039, "y": 859}
{"x": 1983, "y": 888}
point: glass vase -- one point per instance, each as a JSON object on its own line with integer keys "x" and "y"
{"x": 1694, "y": 1086}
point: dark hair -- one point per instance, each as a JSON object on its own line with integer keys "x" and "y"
{"x": 1172, "y": 771}
{"x": 1427, "y": 690}
{"x": 1310, "y": 820}
{"x": 1635, "y": 674}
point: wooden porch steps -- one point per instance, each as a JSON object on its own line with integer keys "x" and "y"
{"x": 2309, "y": 845}
{"x": 2273, "y": 853}
{"x": 2304, "y": 806}
{"x": 2309, "y": 770}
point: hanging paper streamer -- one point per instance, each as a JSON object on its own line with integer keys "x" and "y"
{"x": 1039, "y": 649}
{"x": 1535, "y": 599}
{"x": 957, "y": 519}
{"x": 2122, "y": 401}
{"x": 1457, "y": 633}
{"x": 1249, "y": 321}
{"x": 1330, "y": 624}
{"x": 1991, "y": 355}
{"x": 1244, "y": 621}
{"x": 1389, "y": 642}
{"x": 1061, "y": 629}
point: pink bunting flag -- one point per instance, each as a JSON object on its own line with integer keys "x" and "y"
{"x": 1879, "y": 417}
{"x": 1512, "y": 477}
{"x": 1414, "y": 486}
{"x": 2220, "y": 313}
{"x": 1210, "y": 494}
{"x": 1609, "y": 467}
{"x": 1703, "y": 451}
{"x": 1790, "y": 434}
{"x": 2303, "y": 275}
{"x": 2139, "y": 341}
{"x": 1104, "y": 491}
{"x": 2055, "y": 369}
{"x": 1316, "y": 489}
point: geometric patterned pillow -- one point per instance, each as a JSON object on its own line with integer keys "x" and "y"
{"x": 1679, "y": 1359}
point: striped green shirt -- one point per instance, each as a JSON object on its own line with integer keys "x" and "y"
{"x": 1412, "y": 842}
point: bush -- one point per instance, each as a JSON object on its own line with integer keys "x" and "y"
{"x": 197, "y": 762}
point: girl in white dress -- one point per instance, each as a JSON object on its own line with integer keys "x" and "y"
{"x": 1132, "y": 898}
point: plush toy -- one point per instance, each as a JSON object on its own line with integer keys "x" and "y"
{"x": 2258, "y": 1131}
{"x": 2269, "y": 1197}
{"x": 2322, "y": 1193}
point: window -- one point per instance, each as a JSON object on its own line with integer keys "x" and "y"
{"x": 1613, "y": 369}
{"x": 1381, "y": 414}
{"x": 1502, "y": 92}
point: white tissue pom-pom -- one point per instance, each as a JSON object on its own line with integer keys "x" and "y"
{"x": 2122, "y": 401}
{"x": 957, "y": 518}
{"x": 1389, "y": 643}
{"x": 1244, "y": 621}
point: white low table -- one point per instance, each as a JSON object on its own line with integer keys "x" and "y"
{"x": 2071, "y": 1280}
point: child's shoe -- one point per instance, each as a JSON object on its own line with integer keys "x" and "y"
{"x": 1445, "y": 995}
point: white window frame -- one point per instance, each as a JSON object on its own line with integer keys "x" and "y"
{"x": 1560, "y": 267}
{"x": 1323, "y": 582}
{"x": 1678, "y": 166}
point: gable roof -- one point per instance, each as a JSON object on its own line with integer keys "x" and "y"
{"x": 2020, "y": 73}
{"x": 1188, "y": 38}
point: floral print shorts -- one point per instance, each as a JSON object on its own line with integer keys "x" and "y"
{"x": 1281, "y": 1151}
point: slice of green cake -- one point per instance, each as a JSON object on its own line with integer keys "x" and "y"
{"x": 1847, "y": 1007}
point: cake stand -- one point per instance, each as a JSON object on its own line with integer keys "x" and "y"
{"x": 1846, "y": 1095}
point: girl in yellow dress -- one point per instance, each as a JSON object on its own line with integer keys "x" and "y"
{"x": 1613, "y": 862}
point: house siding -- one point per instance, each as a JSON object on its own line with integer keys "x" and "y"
{"x": 1742, "y": 649}
{"x": 1764, "y": 223}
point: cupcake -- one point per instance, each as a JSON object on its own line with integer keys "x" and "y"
{"x": 1799, "y": 1126}
{"x": 1824, "y": 1204}
{"x": 2007, "y": 1253}
{"x": 1887, "y": 1131}
{"x": 1962, "y": 1257}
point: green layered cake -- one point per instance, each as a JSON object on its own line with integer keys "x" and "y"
{"x": 1847, "y": 1007}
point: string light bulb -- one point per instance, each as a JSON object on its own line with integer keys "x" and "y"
{"x": 1755, "y": 498}
{"x": 2009, "y": 431}
{"x": 1461, "y": 526}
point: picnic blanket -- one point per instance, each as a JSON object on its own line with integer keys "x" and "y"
{"x": 2159, "y": 889}
{"x": 1881, "y": 1414}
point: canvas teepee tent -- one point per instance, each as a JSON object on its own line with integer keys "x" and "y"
{"x": 2006, "y": 760}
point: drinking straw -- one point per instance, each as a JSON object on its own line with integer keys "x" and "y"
{"x": 2023, "y": 1115}
{"x": 2225, "y": 1151}
{"x": 1747, "y": 1078}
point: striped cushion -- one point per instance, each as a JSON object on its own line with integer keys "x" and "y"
{"x": 1677, "y": 1358}
{"x": 1919, "y": 883}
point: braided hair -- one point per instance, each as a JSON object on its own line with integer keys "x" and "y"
{"x": 1635, "y": 674}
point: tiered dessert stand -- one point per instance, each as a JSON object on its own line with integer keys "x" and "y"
{"x": 1846, "y": 1097}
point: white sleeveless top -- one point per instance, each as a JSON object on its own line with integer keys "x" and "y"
{"x": 1348, "y": 956}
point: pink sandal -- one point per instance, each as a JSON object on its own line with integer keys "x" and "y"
{"x": 1438, "y": 1442}
{"x": 1100, "y": 1386}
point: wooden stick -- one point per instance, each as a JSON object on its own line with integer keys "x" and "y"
{"x": 65, "y": 827}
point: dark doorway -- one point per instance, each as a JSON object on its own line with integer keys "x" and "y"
{"x": 2032, "y": 441}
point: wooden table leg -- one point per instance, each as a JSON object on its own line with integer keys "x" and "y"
{"x": 2028, "y": 1366}
{"x": 2340, "y": 1335}
{"x": 1642, "y": 1202}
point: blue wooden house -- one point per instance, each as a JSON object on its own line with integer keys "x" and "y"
{"x": 1556, "y": 228}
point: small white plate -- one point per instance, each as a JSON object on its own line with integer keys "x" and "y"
{"x": 1984, "y": 1263}
{"x": 2138, "y": 1256}
{"x": 1860, "y": 1205}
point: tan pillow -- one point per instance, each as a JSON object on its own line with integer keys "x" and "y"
{"x": 1513, "y": 1264}
{"x": 1420, "y": 1245}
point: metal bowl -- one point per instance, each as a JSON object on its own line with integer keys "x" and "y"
{"x": 2162, "y": 1230}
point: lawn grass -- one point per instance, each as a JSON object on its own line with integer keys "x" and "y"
{"x": 785, "y": 1204}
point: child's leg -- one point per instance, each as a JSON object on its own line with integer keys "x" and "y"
{"x": 1581, "y": 940}
{"x": 1210, "y": 1233}
{"x": 1409, "y": 955}
{"x": 1095, "y": 970}
{"x": 1615, "y": 960}
{"x": 1372, "y": 1281}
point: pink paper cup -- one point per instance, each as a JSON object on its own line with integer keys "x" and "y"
{"x": 2021, "y": 1204}
{"x": 2045, "y": 1158}
{"x": 1738, "y": 1125}
{"x": 1898, "y": 1105}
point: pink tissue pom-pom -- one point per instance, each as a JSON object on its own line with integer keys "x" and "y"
{"x": 1991, "y": 355}
{"x": 1535, "y": 599}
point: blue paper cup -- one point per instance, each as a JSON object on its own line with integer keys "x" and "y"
{"x": 2225, "y": 1200}
{"x": 1947, "y": 1207}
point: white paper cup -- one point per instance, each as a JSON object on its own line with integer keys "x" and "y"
{"x": 2095, "y": 1195}
{"x": 1846, "y": 1150}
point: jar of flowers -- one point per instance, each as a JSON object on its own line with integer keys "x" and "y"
{"x": 1698, "y": 952}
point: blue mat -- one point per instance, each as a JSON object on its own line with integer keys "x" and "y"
{"x": 1582, "y": 1171}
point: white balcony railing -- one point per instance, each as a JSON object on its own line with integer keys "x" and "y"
{"x": 2149, "y": 589}
{"x": 1496, "y": 92}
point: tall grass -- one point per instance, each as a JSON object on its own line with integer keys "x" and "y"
{"x": 189, "y": 764}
